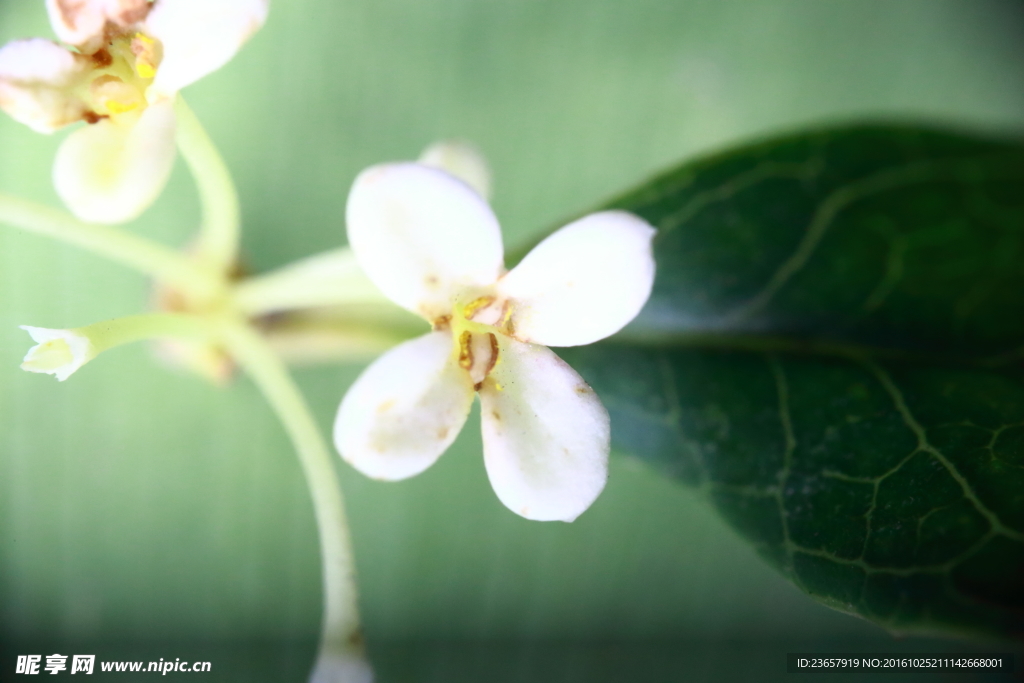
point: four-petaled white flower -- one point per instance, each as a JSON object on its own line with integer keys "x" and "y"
{"x": 129, "y": 59}
{"x": 433, "y": 246}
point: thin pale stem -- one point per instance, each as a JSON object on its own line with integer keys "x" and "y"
{"x": 337, "y": 336}
{"x": 341, "y": 640}
{"x": 110, "y": 333}
{"x": 220, "y": 232}
{"x": 64, "y": 352}
{"x": 332, "y": 278}
{"x": 161, "y": 263}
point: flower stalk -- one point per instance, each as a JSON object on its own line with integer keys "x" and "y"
{"x": 220, "y": 231}
{"x": 332, "y": 278}
{"x": 120, "y": 73}
{"x": 63, "y": 352}
{"x": 158, "y": 262}
{"x": 341, "y": 655}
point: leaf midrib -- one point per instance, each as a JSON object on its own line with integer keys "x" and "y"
{"x": 640, "y": 337}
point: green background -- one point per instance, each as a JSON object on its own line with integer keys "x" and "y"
{"x": 140, "y": 503}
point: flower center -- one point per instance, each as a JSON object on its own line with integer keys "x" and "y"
{"x": 475, "y": 326}
{"x": 123, "y": 72}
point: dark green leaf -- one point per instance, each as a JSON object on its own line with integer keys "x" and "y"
{"x": 833, "y": 354}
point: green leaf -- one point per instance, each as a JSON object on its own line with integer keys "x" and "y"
{"x": 833, "y": 354}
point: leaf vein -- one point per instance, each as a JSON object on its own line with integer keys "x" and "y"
{"x": 768, "y": 170}
{"x": 823, "y": 218}
{"x": 923, "y": 444}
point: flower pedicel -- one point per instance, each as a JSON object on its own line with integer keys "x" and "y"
{"x": 433, "y": 246}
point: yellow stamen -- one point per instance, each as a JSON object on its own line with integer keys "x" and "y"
{"x": 144, "y": 48}
{"x": 475, "y": 305}
{"x": 115, "y": 107}
{"x": 465, "y": 352}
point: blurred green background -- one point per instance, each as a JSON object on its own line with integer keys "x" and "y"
{"x": 137, "y": 503}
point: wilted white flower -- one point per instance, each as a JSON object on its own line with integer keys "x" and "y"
{"x": 129, "y": 59}
{"x": 433, "y": 246}
{"x": 57, "y": 352}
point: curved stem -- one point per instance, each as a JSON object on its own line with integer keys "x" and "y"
{"x": 220, "y": 233}
{"x": 159, "y": 262}
{"x": 341, "y": 652}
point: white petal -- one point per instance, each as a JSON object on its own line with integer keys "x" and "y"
{"x": 405, "y": 409}
{"x": 462, "y": 160}
{"x": 199, "y": 37}
{"x": 110, "y": 172}
{"x": 82, "y": 22}
{"x": 37, "y": 82}
{"x": 57, "y": 352}
{"x": 584, "y": 282}
{"x": 422, "y": 236}
{"x": 546, "y": 434}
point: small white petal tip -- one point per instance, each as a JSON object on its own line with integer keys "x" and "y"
{"x": 57, "y": 352}
{"x": 462, "y": 160}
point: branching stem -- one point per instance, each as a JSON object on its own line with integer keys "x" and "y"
{"x": 161, "y": 263}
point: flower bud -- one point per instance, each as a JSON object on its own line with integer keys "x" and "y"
{"x": 57, "y": 352}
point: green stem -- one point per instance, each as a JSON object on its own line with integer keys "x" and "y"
{"x": 341, "y": 642}
{"x": 332, "y": 278}
{"x": 220, "y": 232}
{"x": 64, "y": 352}
{"x": 110, "y": 333}
{"x": 159, "y": 262}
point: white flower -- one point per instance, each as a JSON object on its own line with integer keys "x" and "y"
{"x": 57, "y": 352}
{"x": 433, "y": 246}
{"x": 129, "y": 60}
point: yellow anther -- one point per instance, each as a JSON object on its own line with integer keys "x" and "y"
{"x": 506, "y": 315}
{"x": 475, "y": 305}
{"x": 113, "y": 96}
{"x": 465, "y": 352}
{"x": 145, "y": 50}
{"x": 115, "y": 107}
